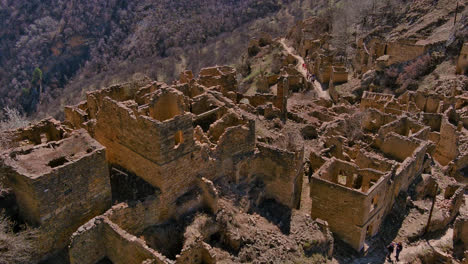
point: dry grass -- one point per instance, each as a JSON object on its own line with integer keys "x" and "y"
{"x": 16, "y": 247}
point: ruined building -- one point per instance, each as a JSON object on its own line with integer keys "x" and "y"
{"x": 159, "y": 146}
{"x": 378, "y": 53}
{"x": 395, "y": 139}
{"x": 60, "y": 180}
{"x": 311, "y": 39}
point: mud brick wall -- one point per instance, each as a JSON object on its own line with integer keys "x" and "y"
{"x": 101, "y": 238}
{"x": 135, "y": 217}
{"x": 225, "y": 77}
{"x": 197, "y": 254}
{"x": 447, "y": 147}
{"x": 432, "y": 120}
{"x": 402, "y": 52}
{"x": 149, "y": 138}
{"x": 372, "y": 161}
{"x": 379, "y": 199}
{"x": 124, "y": 248}
{"x": 87, "y": 245}
{"x": 281, "y": 171}
{"x": 236, "y": 140}
{"x": 410, "y": 168}
{"x": 343, "y": 208}
{"x": 120, "y": 92}
{"x": 460, "y": 232}
{"x": 426, "y": 103}
{"x": 259, "y": 99}
{"x": 375, "y": 100}
{"x": 398, "y": 147}
{"x": 44, "y": 131}
{"x": 373, "y": 119}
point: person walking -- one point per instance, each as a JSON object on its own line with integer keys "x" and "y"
{"x": 390, "y": 248}
{"x": 399, "y": 248}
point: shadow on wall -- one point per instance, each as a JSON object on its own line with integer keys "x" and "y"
{"x": 276, "y": 213}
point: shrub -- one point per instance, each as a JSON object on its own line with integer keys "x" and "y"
{"x": 414, "y": 70}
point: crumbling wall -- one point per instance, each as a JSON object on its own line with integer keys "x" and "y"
{"x": 375, "y": 100}
{"x": 369, "y": 160}
{"x": 87, "y": 245}
{"x": 403, "y": 126}
{"x": 223, "y": 76}
{"x": 460, "y": 232}
{"x": 198, "y": 253}
{"x": 124, "y": 248}
{"x": 373, "y": 119}
{"x": 343, "y": 208}
{"x": 447, "y": 146}
{"x": 398, "y": 147}
{"x": 166, "y": 104}
{"x": 402, "y": 51}
{"x": 41, "y": 132}
{"x": 162, "y": 153}
{"x": 410, "y": 168}
{"x": 77, "y": 115}
{"x": 282, "y": 172}
{"x": 101, "y": 238}
{"x": 59, "y": 186}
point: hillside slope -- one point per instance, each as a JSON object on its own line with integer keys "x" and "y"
{"x": 88, "y": 44}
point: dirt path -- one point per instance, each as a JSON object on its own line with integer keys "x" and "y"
{"x": 300, "y": 61}
{"x": 306, "y": 202}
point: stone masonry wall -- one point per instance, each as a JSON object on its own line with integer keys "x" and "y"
{"x": 59, "y": 188}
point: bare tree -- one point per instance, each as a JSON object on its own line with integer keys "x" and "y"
{"x": 13, "y": 120}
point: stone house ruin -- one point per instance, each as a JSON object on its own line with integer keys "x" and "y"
{"x": 366, "y": 180}
{"x": 60, "y": 180}
{"x": 378, "y": 53}
{"x": 400, "y": 136}
{"x": 311, "y": 39}
{"x": 154, "y": 151}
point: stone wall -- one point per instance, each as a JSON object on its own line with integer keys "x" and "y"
{"x": 222, "y": 76}
{"x": 375, "y": 100}
{"x": 281, "y": 171}
{"x": 342, "y": 207}
{"x": 59, "y": 186}
{"x": 398, "y": 147}
{"x": 101, "y": 238}
{"x": 402, "y": 51}
{"x": 447, "y": 146}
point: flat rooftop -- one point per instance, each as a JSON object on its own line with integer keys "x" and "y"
{"x": 35, "y": 161}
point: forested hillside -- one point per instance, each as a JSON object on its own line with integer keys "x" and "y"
{"x": 51, "y": 46}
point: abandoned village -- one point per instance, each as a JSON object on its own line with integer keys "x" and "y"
{"x": 285, "y": 166}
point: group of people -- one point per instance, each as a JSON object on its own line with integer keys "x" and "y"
{"x": 398, "y": 247}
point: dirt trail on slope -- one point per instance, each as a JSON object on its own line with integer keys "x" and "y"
{"x": 306, "y": 201}
{"x": 300, "y": 61}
